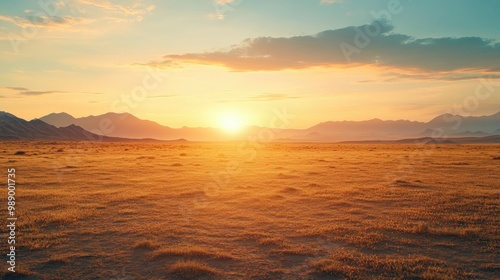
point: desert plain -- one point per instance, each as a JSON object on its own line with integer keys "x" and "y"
{"x": 254, "y": 211}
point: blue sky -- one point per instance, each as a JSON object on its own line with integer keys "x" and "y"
{"x": 248, "y": 57}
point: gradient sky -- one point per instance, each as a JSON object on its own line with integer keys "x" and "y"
{"x": 249, "y": 58}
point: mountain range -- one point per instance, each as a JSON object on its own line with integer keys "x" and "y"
{"x": 14, "y": 128}
{"x": 126, "y": 127}
{"x": 446, "y": 125}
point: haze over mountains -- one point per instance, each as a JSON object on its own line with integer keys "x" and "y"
{"x": 128, "y": 126}
{"x": 447, "y": 125}
{"x": 123, "y": 127}
{"x": 14, "y": 128}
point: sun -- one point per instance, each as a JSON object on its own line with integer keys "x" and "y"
{"x": 231, "y": 122}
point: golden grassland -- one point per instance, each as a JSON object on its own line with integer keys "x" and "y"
{"x": 267, "y": 211}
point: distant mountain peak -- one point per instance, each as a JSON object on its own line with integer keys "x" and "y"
{"x": 60, "y": 114}
{"x": 6, "y": 114}
{"x": 442, "y": 117}
{"x": 58, "y": 119}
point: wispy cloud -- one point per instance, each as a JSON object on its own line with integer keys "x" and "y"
{"x": 16, "y": 88}
{"x": 388, "y": 50}
{"x": 28, "y": 92}
{"x": 136, "y": 9}
{"x": 440, "y": 76}
{"x": 65, "y": 22}
{"x": 37, "y": 92}
{"x": 222, "y": 7}
{"x": 121, "y": 12}
{"x": 8, "y": 19}
{"x": 81, "y": 16}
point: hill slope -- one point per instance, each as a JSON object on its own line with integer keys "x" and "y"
{"x": 14, "y": 128}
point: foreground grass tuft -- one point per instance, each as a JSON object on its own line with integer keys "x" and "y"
{"x": 424, "y": 228}
{"x": 189, "y": 252}
{"x": 352, "y": 264}
{"x": 191, "y": 270}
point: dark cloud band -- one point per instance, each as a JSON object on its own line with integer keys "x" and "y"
{"x": 372, "y": 44}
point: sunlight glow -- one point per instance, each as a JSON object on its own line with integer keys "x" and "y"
{"x": 231, "y": 122}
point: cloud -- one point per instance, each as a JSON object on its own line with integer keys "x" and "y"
{"x": 16, "y": 88}
{"x": 372, "y": 44}
{"x": 81, "y": 15}
{"x": 222, "y": 7}
{"x": 66, "y": 22}
{"x": 36, "y": 92}
{"x": 8, "y": 19}
{"x": 136, "y": 9}
{"x": 441, "y": 76}
{"x": 57, "y": 21}
{"x": 134, "y": 12}
{"x": 262, "y": 97}
{"x": 28, "y": 92}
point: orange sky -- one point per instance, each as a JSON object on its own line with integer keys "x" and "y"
{"x": 185, "y": 64}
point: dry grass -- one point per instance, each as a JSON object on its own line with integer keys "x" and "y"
{"x": 355, "y": 265}
{"x": 189, "y": 252}
{"x": 191, "y": 270}
{"x": 146, "y": 245}
{"x": 297, "y": 211}
{"x": 272, "y": 241}
{"x": 424, "y": 228}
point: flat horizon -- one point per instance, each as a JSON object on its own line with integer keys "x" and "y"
{"x": 250, "y": 125}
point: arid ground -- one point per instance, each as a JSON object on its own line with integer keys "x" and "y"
{"x": 248, "y": 211}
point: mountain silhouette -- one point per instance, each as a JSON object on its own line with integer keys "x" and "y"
{"x": 371, "y": 129}
{"x": 59, "y": 119}
{"x": 113, "y": 125}
{"x": 126, "y": 125}
{"x": 456, "y": 124}
{"x": 14, "y": 128}
{"x": 492, "y": 139}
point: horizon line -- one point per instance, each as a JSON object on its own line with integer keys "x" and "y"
{"x": 254, "y": 125}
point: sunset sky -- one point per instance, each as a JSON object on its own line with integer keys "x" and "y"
{"x": 195, "y": 62}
